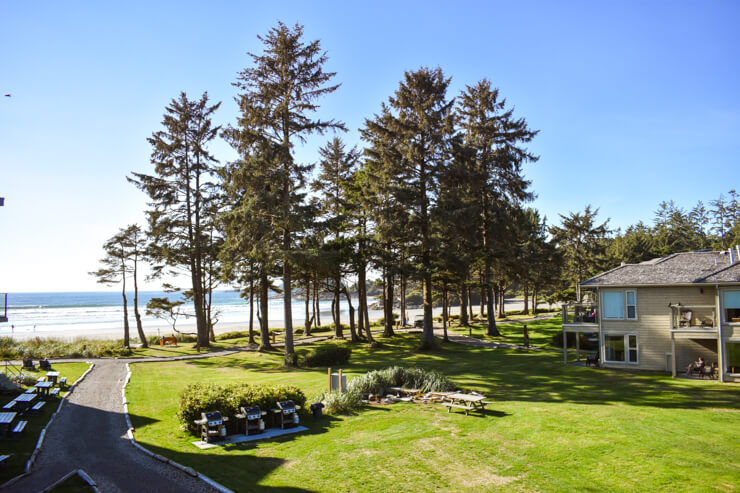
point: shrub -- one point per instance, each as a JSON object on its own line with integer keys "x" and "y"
{"x": 327, "y": 355}
{"x": 232, "y": 335}
{"x": 341, "y": 402}
{"x": 205, "y": 397}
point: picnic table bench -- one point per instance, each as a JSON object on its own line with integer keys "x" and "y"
{"x": 37, "y": 407}
{"x": 5, "y": 420}
{"x": 62, "y": 382}
{"x": 4, "y": 459}
{"x": 467, "y": 402}
{"x": 10, "y": 405}
{"x": 404, "y": 391}
{"x": 19, "y": 427}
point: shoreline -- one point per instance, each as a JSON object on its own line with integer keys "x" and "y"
{"x": 114, "y": 334}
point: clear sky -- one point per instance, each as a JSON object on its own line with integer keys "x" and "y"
{"x": 636, "y": 102}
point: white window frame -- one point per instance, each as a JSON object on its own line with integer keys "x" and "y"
{"x": 626, "y": 336}
{"x": 625, "y": 310}
{"x": 724, "y": 307}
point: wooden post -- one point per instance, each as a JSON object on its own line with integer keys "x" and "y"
{"x": 578, "y": 346}
{"x": 673, "y": 356}
{"x": 341, "y": 385}
{"x": 565, "y": 347}
{"x": 329, "y": 379}
{"x": 526, "y": 336}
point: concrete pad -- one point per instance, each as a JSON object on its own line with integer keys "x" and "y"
{"x": 240, "y": 438}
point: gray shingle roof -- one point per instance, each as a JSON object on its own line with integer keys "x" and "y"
{"x": 679, "y": 268}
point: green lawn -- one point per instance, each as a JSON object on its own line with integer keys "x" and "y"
{"x": 20, "y": 450}
{"x": 552, "y": 427}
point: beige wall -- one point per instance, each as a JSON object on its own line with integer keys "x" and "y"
{"x": 653, "y": 327}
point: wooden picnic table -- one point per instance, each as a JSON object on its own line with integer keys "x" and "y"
{"x": 43, "y": 388}
{"x": 401, "y": 390}
{"x": 467, "y": 402}
{"x": 23, "y": 401}
{"x": 5, "y": 420}
{"x": 52, "y": 376}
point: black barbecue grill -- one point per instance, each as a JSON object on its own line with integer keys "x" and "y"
{"x": 286, "y": 414}
{"x": 252, "y": 417}
{"x": 212, "y": 426}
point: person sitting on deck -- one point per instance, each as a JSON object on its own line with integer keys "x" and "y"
{"x": 697, "y": 365}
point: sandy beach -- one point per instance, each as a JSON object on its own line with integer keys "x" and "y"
{"x": 163, "y": 329}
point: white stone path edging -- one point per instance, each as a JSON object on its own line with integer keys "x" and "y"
{"x": 40, "y": 442}
{"x": 80, "y": 473}
{"x": 130, "y": 433}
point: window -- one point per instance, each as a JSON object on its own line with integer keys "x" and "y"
{"x": 621, "y": 348}
{"x": 620, "y": 305}
{"x": 732, "y": 306}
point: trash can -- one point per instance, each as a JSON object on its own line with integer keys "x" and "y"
{"x": 317, "y": 410}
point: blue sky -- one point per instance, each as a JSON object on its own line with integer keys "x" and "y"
{"x": 636, "y": 102}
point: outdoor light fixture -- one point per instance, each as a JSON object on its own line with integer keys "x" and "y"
{"x": 2, "y": 201}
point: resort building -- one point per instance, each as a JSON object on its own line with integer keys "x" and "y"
{"x": 662, "y": 314}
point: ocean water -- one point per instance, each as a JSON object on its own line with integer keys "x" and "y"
{"x": 79, "y": 312}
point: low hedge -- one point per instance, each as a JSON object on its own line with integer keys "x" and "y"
{"x": 200, "y": 398}
{"x": 327, "y": 355}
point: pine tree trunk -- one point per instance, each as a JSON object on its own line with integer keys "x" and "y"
{"x": 251, "y": 310}
{"x": 338, "y": 332}
{"x": 388, "y": 305}
{"x": 317, "y": 301}
{"x": 445, "y": 312}
{"x": 492, "y": 329}
{"x": 526, "y": 300}
{"x": 352, "y": 328}
{"x": 502, "y": 302}
{"x": 126, "y": 342}
{"x": 482, "y": 301}
{"x": 308, "y": 320}
{"x": 264, "y": 322}
{"x": 534, "y": 300}
{"x": 139, "y": 328}
{"x": 463, "y": 306}
{"x": 470, "y": 302}
{"x": 362, "y": 282}
{"x": 404, "y": 287}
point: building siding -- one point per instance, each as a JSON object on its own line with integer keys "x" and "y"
{"x": 653, "y": 327}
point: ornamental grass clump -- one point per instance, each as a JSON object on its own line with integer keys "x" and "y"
{"x": 341, "y": 402}
{"x": 379, "y": 382}
{"x": 200, "y": 398}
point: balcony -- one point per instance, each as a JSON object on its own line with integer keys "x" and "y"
{"x": 581, "y": 315}
{"x": 693, "y": 321}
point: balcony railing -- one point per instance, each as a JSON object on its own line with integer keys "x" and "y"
{"x": 581, "y": 314}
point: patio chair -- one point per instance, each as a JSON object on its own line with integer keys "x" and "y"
{"x": 685, "y": 318}
{"x": 592, "y": 360}
{"x": 709, "y": 371}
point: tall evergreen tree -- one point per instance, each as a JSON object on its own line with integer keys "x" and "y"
{"x": 115, "y": 270}
{"x": 494, "y": 139}
{"x": 583, "y": 243}
{"x": 179, "y": 191}
{"x": 418, "y": 122}
{"x": 333, "y": 186}
{"x": 278, "y": 93}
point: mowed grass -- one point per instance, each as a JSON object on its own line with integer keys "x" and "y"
{"x": 20, "y": 450}
{"x": 551, "y": 427}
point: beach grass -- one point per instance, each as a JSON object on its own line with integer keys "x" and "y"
{"x": 20, "y": 450}
{"x": 551, "y": 427}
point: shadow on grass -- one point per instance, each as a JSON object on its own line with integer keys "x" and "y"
{"x": 515, "y": 375}
{"x": 231, "y": 470}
